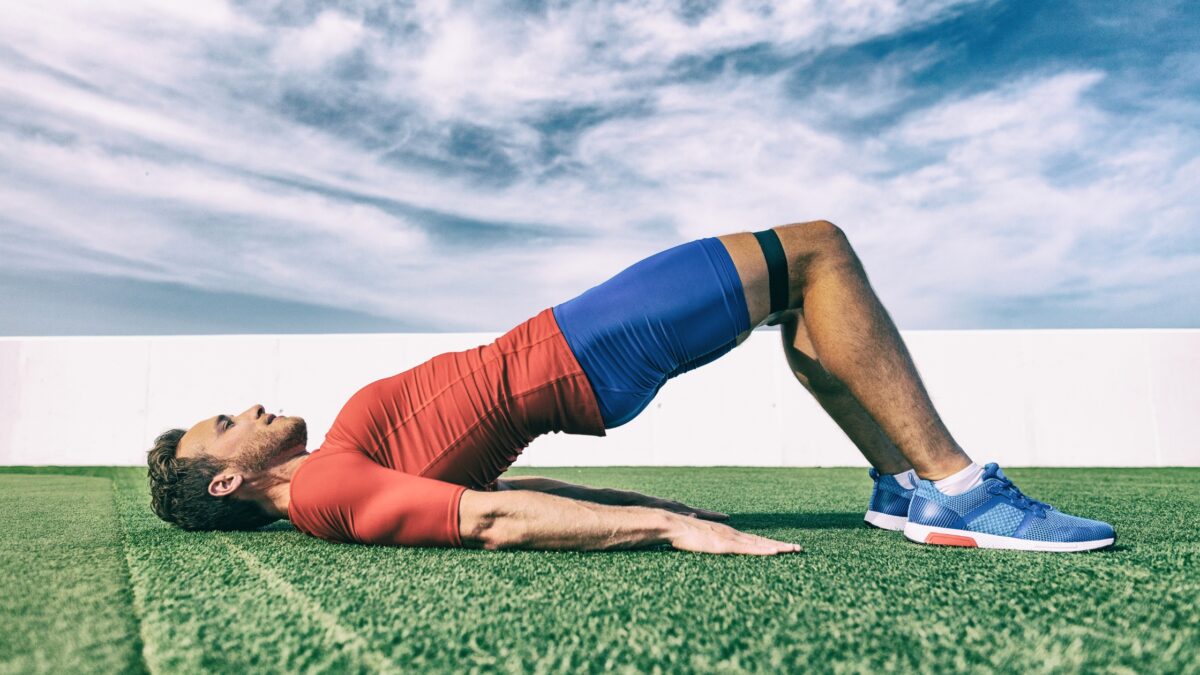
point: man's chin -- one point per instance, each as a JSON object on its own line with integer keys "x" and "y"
{"x": 296, "y": 441}
{"x": 296, "y": 436}
{"x": 260, "y": 465}
{"x": 291, "y": 450}
{"x": 298, "y": 432}
{"x": 262, "y": 459}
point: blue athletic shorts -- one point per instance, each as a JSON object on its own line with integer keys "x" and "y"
{"x": 665, "y": 315}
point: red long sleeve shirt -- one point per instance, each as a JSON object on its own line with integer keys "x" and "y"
{"x": 404, "y": 448}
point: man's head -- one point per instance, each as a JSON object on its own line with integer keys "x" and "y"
{"x": 207, "y": 478}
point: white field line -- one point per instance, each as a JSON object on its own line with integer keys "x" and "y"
{"x": 137, "y": 591}
{"x": 376, "y": 660}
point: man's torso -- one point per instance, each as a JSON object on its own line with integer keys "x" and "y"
{"x": 460, "y": 418}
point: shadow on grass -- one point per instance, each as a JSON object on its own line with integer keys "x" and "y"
{"x": 793, "y": 521}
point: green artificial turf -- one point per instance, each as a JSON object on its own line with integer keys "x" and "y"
{"x": 858, "y": 599}
{"x": 65, "y": 604}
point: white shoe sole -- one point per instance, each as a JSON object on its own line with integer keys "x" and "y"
{"x": 927, "y": 534}
{"x": 885, "y": 522}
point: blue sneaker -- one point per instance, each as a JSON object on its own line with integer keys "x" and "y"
{"x": 888, "y": 509}
{"x": 995, "y": 514}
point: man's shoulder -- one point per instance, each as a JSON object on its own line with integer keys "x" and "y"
{"x": 322, "y": 488}
{"x": 322, "y": 462}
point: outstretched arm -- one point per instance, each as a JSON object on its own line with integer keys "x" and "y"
{"x": 533, "y": 520}
{"x": 609, "y": 496}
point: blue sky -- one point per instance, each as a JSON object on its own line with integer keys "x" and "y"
{"x": 198, "y": 168}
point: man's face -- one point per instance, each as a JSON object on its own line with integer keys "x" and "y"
{"x": 250, "y": 442}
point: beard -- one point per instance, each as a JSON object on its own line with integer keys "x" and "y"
{"x": 283, "y": 434}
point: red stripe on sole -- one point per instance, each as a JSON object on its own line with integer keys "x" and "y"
{"x": 949, "y": 540}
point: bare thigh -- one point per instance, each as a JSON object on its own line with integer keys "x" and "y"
{"x": 802, "y": 242}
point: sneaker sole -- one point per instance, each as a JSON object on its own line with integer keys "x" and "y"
{"x": 885, "y": 522}
{"x": 944, "y": 536}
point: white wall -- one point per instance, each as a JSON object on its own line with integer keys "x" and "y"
{"x": 1020, "y": 397}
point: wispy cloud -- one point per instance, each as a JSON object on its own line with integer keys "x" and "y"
{"x": 461, "y": 167}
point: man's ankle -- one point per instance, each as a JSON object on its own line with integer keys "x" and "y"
{"x": 960, "y": 481}
{"x": 906, "y": 479}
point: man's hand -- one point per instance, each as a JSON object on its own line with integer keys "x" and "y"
{"x": 679, "y": 507}
{"x": 534, "y": 520}
{"x": 704, "y": 537}
{"x": 784, "y": 317}
{"x": 609, "y": 496}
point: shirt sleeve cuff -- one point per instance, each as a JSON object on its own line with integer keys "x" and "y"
{"x": 455, "y": 537}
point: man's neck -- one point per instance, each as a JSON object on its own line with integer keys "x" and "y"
{"x": 274, "y": 486}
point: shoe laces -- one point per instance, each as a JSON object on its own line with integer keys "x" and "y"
{"x": 1001, "y": 485}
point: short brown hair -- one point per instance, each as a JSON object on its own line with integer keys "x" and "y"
{"x": 179, "y": 491}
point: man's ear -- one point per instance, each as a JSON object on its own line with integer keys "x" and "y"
{"x": 224, "y": 483}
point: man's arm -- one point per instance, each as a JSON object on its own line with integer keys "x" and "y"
{"x": 609, "y": 496}
{"x": 534, "y": 520}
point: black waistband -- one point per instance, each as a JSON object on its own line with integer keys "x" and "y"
{"x": 776, "y": 268}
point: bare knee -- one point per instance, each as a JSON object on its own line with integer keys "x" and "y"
{"x": 819, "y": 235}
{"x": 814, "y": 248}
{"x": 819, "y": 227}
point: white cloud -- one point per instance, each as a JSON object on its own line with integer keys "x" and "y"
{"x": 1038, "y": 103}
{"x": 308, "y": 48}
{"x": 492, "y": 66}
{"x": 150, "y": 115}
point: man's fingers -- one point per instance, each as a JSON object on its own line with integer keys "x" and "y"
{"x": 784, "y": 544}
{"x": 771, "y": 549}
{"x": 709, "y": 537}
{"x": 780, "y": 546}
{"x": 755, "y": 542}
{"x": 783, "y": 317}
{"x": 673, "y": 507}
{"x": 701, "y": 513}
{"x": 684, "y": 509}
{"x": 774, "y": 544}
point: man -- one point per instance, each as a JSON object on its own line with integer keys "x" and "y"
{"x": 415, "y": 459}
